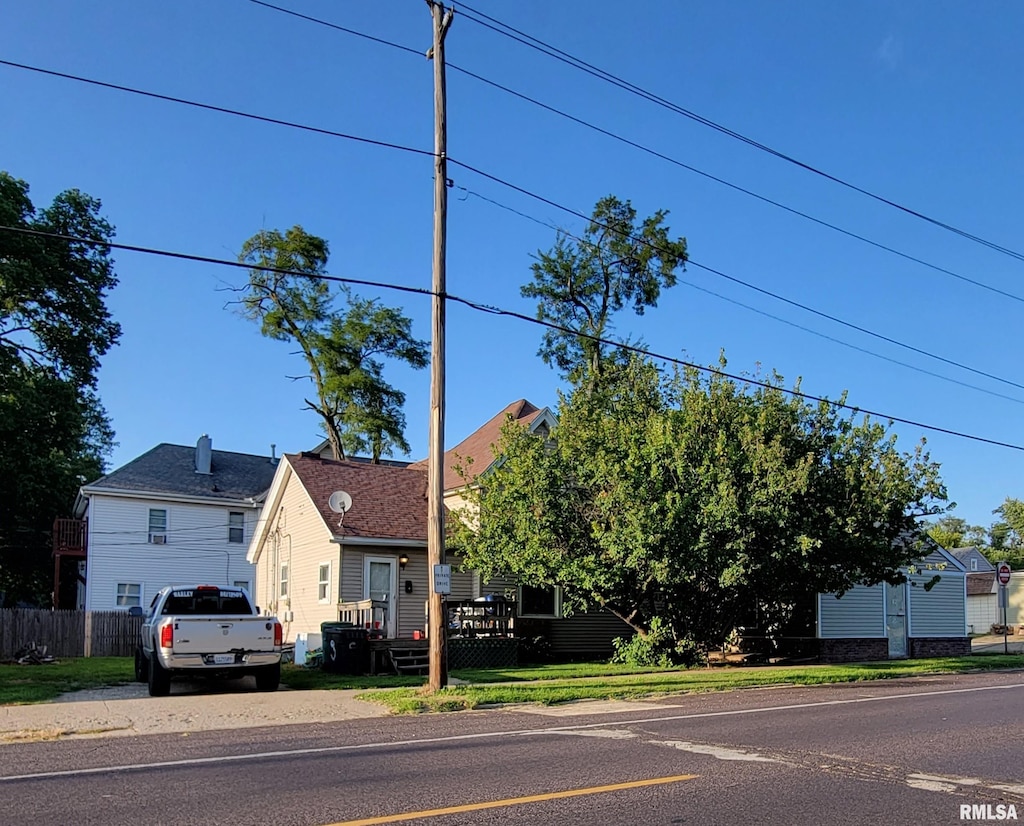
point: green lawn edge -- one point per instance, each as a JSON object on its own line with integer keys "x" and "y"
{"x": 547, "y": 685}
{"x": 666, "y": 682}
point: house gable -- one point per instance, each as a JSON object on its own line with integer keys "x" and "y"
{"x": 973, "y": 560}
{"x": 476, "y": 453}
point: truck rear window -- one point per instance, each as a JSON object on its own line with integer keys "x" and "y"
{"x": 206, "y": 601}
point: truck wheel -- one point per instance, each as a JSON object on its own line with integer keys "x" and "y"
{"x": 159, "y": 678}
{"x": 268, "y": 678}
{"x": 141, "y": 669}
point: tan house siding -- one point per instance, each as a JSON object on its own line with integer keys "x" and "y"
{"x": 299, "y": 538}
{"x": 1015, "y": 599}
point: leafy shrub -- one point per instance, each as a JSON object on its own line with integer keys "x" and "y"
{"x": 659, "y": 648}
{"x": 535, "y": 650}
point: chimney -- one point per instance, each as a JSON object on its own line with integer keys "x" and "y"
{"x": 204, "y": 455}
{"x": 273, "y": 454}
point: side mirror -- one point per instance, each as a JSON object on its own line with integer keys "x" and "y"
{"x": 136, "y": 611}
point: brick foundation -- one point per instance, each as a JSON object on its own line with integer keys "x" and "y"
{"x": 939, "y": 647}
{"x": 852, "y": 650}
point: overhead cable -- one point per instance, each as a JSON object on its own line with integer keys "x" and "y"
{"x": 498, "y": 311}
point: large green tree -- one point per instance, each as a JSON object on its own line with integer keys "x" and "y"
{"x": 681, "y": 504}
{"x": 953, "y": 532}
{"x": 1006, "y": 535}
{"x": 344, "y": 350}
{"x": 581, "y": 284}
{"x": 54, "y": 329}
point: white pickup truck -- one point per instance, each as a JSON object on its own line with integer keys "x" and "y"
{"x": 207, "y": 631}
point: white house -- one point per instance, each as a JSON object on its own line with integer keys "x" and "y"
{"x": 982, "y": 592}
{"x": 175, "y": 514}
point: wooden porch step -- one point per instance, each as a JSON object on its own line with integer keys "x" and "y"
{"x": 409, "y": 662}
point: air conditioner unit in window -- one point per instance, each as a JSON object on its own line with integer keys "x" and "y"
{"x": 158, "y": 538}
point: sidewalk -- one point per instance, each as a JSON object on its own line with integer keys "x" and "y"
{"x": 993, "y": 644}
{"x": 128, "y": 710}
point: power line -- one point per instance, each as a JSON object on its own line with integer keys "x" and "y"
{"x": 736, "y": 280}
{"x": 551, "y": 51}
{"x": 761, "y": 312}
{"x": 212, "y": 108}
{"x": 736, "y": 187}
{"x": 335, "y": 26}
{"x": 505, "y": 183}
{"x": 498, "y": 311}
{"x": 653, "y": 152}
{"x": 496, "y": 179}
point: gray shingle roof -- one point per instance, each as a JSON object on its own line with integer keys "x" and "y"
{"x": 171, "y": 469}
{"x": 965, "y": 554}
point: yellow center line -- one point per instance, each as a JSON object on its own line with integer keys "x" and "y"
{"x": 515, "y": 801}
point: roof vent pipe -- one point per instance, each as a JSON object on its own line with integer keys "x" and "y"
{"x": 204, "y": 455}
{"x": 273, "y": 454}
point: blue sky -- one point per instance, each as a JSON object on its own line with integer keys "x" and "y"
{"x": 918, "y": 102}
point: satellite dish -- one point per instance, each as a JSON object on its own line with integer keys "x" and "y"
{"x": 340, "y": 502}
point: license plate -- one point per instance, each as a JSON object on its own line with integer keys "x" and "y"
{"x": 223, "y": 659}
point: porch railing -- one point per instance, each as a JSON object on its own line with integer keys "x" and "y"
{"x": 371, "y": 614}
{"x": 70, "y": 536}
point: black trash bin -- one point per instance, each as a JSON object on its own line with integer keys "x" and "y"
{"x": 346, "y": 648}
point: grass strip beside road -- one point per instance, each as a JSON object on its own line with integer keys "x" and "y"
{"x": 660, "y": 683}
{"x": 26, "y": 684}
{"x": 547, "y": 684}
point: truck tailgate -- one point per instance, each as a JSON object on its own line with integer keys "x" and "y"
{"x": 204, "y": 635}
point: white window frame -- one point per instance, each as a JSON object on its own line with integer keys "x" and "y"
{"x": 240, "y": 527}
{"x": 243, "y": 583}
{"x": 158, "y": 537}
{"x": 282, "y": 582}
{"x": 557, "y": 603}
{"x": 323, "y": 586}
{"x": 974, "y": 564}
{"x": 121, "y": 598}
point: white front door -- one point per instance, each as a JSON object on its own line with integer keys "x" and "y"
{"x": 380, "y": 582}
{"x": 896, "y": 619}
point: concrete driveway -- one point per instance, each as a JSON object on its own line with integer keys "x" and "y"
{"x": 129, "y": 710}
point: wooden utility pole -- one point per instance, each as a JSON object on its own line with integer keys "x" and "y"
{"x": 437, "y": 626}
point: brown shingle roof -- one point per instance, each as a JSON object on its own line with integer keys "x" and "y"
{"x": 387, "y": 502}
{"x": 478, "y": 446}
{"x": 980, "y": 584}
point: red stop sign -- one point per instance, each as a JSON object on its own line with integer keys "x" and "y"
{"x": 1003, "y": 573}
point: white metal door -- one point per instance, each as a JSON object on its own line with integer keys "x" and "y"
{"x": 896, "y": 619}
{"x": 380, "y": 581}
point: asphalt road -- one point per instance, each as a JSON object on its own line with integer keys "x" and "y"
{"x": 908, "y": 751}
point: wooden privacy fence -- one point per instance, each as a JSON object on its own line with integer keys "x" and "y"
{"x": 69, "y": 633}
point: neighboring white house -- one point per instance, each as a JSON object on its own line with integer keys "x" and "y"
{"x": 176, "y": 514}
{"x": 982, "y": 592}
{"x": 922, "y": 617}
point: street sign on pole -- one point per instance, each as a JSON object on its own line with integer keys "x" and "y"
{"x": 1003, "y": 573}
{"x": 442, "y": 579}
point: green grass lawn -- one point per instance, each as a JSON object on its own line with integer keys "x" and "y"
{"x": 582, "y": 682}
{"x": 545, "y": 684}
{"x": 42, "y": 683}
